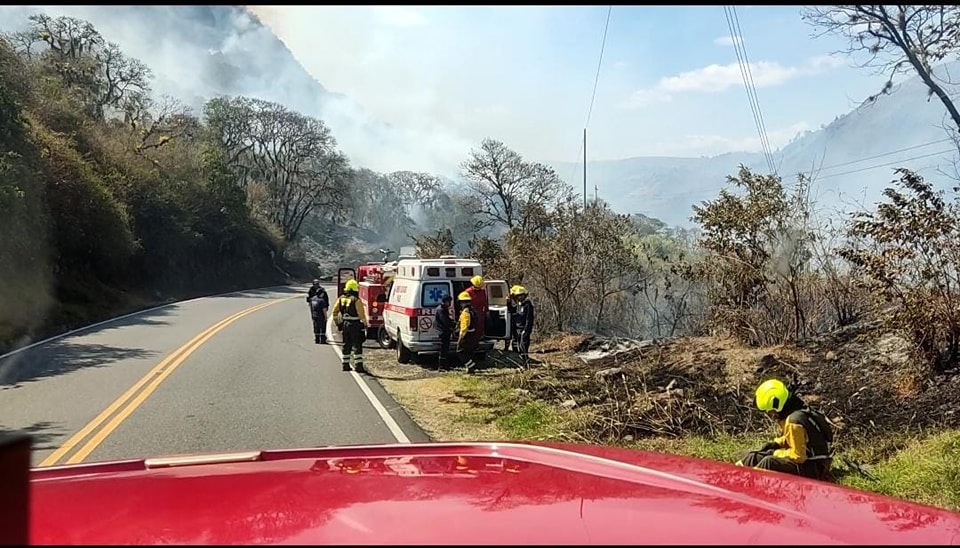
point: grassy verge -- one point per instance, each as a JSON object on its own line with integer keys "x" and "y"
{"x": 451, "y": 406}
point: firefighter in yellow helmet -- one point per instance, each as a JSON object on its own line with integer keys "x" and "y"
{"x": 478, "y": 299}
{"x": 468, "y": 337}
{"x": 803, "y": 448}
{"x": 522, "y": 323}
{"x": 512, "y": 343}
{"x": 352, "y": 322}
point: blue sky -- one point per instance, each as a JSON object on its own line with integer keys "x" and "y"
{"x": 524, "y": 75}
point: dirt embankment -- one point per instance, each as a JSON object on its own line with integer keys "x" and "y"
{"x": 618, "y": 391}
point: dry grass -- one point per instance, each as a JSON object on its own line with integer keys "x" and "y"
{"x": 431, "y": 398}
{"x": 454, "y": 406}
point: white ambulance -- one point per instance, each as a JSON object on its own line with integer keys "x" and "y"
{"x": 418, "y": 287}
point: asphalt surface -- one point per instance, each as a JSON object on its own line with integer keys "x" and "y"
{"x": 259, "y": 382}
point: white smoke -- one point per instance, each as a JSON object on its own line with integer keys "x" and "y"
{"x": 198, "y": 52}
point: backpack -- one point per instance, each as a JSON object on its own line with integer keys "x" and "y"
{"x": 323, "y": 298}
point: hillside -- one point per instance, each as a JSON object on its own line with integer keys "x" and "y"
{"x": 846, "y": 149}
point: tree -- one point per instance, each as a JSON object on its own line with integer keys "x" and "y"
{"x": 908, "y": 250}
{"x": 369, "y": 193}
{"x": 613, "y": 266}
{"x": 454, "y": 209}
{"x": 287, "y": 161}
{"x": 434, "y": 245}
{"x": 84, "y": 60}
{"x": 555, "y": 261}
{"x": 758, "y": 252}
{"x": 503, "y": 184}
{"x": 669, "y": 301}
{"x": 417, "y": 188}
{"x": 898, "y": 39}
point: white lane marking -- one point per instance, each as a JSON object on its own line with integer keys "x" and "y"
{"x": 381, "y": 410}
{"x": 125, "y": 316}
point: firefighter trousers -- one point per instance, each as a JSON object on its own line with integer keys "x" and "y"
{"x": 319, "y": 327}
{"x": 466, "y": 348}
{"x": 522, "y": 346}
{"x": 444, "y": 357}
{"x": 765, "y": 460}
{"x": 353, "y": 337}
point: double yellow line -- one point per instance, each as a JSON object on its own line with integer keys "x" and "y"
{"x": 126, "y": 404}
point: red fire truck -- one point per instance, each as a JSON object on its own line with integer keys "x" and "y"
{"x": 374, "y": 280}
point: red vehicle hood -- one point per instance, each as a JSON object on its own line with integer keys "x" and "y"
{"x": 461, "y": 493}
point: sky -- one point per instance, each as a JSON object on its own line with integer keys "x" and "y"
{"x": 669, "y": 83}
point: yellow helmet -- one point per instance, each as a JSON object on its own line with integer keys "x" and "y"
{"x": 520, "y": 290}
{"x": 464, "y": 296}
{"x": 515, "y": 289}
{"x": 772, "y": 395}
{"x": 351, "y": 285}
{"x": 477, "y": 281}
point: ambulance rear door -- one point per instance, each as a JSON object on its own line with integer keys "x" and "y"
{"x": 498, "y": 321}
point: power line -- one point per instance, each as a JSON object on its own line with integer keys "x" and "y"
{"x": 756, "y": 98}
{"x": 748, "y": 85}
{"x": 884, "y": 165}
{"x": 877, "y": 156}
{"x": 596, "y": 80}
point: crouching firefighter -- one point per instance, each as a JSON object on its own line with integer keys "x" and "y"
{"x": 349, "y": 315}
{"x": 803, "y": 448}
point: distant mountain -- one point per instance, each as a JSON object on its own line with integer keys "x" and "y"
{"x": 853, "y": 150}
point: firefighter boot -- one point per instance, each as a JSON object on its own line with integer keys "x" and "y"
{"x": 323, "y": 338}
{"x": 316, "y": 338}
{"x": 358, "y": 363}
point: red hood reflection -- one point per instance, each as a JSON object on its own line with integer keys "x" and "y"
{"x": 464, "y": 494}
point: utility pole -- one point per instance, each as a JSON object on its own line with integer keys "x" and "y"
{"x": 584, "y": 168}
{"x": 596, "y": 194}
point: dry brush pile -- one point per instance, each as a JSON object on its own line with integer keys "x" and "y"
{"x": 862, "y": 378}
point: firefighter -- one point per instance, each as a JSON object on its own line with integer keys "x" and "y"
{"x": 510, "y": 344}
{"x": 478, "y": 299}
{"x": 443, "y": 319}
{"x": 803, "y": 448}
{"x": 319, "y": 304}
{"x": 468, "y": 337}
{"x": 523, "y": 323}
{"x": 351, "y": 320}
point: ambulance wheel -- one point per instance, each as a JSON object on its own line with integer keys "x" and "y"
{"x": 480, "y": 356}
{"x": 404, "y": 355}
{"x": 383, "y": 339}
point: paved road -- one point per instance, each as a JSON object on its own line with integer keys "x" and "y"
{"x": 225, "y": 373}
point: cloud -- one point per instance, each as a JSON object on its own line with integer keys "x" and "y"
{"x": 727, "y": 41}
{"x": 718, "y": 78}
